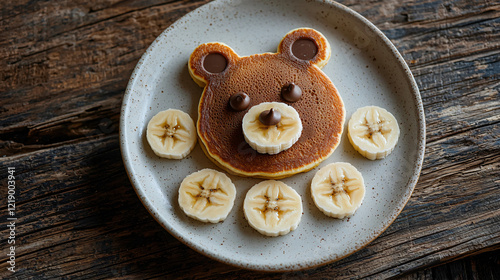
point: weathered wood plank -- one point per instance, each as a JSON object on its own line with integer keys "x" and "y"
{"x": 65, "y": 65}
{"x": 485, "y": 266}
{"x": 78, "y": 213}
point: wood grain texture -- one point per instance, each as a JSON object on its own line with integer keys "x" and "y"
{"x": 64, "y": 66}
{"x": 483, "y": 266}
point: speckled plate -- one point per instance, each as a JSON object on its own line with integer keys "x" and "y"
{"x": 367, "y": 70}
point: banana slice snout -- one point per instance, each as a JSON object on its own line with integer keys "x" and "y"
{"x": 338, "y": 189}
{"x": 207, "y": 195}
{"x": 272, "y": 208}
{"x": 171, "y": 134}
{"x": 275, "y": 137}
{"x": 373, "y": 132}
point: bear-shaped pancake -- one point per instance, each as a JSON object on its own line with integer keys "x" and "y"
{"x": 261, "y": 77}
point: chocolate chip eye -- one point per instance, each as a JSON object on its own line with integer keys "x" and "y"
{"x": 291, "y": 92}
{"x": 239, "y": 101}
{"x": 270, "y": 117}
{"x": 304, "y": 49}
{"x": 215, "y": 62}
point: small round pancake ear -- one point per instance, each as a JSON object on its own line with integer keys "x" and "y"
{"x": 210, "y": 60}
{"x": 305, "y": 45}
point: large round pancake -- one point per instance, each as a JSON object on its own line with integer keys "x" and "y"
{"x": 262, "y": 76}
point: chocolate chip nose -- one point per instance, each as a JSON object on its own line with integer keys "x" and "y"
{"x": 270, "y": 117}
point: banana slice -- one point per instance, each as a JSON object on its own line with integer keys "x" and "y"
{"x": 272, "y": 208}
{"x": 373, "y": 132}
{"x": 171, "y": 134}
{"x": 272, "y": 138}
{"x": 338, "y": 189}
{"x": 207, "y": 195}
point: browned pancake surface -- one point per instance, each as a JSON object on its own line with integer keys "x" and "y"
{"x": 262, "y": 76}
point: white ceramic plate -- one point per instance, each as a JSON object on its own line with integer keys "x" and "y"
{"x": 366, "y": 69}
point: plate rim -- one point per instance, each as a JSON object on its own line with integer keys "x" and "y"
{"x": 410, "y": 186}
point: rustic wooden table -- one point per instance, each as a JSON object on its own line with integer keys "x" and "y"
{"x": 64, "y": 66}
